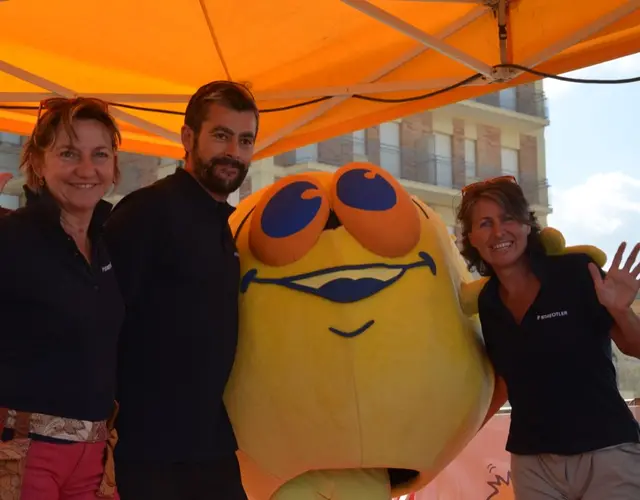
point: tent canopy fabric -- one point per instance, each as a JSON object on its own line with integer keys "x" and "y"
{"x": 152, "y": 54}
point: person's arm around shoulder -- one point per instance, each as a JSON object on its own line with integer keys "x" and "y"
{"x": 499, "y": 398}
{"x": 133, "y": 239}
{"x": 616, "y": 292}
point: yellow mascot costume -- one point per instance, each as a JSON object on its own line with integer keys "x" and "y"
{"x": 360, "y": 372}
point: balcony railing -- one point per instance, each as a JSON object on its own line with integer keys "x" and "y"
{"x": 10, "y": 142}
{"x": 535, "y": 190}
{"x": 411, "y": 163}
{"x": 533, "y": 102}
{"x": 437, "y": 170}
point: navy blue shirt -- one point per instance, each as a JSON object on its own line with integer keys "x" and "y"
{"x": 557, "y": 364}
{"x": 179, "y": 271}
{"x": 61, "y": 315}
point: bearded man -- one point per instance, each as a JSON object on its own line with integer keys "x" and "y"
{"x": 178, "y": 269}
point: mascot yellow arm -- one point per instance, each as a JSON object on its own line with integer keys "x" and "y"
{"x": 554, "y": 244}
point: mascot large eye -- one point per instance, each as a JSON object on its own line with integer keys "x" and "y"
{"x": 376, "y": 210}
{"x": 288, "y": 220}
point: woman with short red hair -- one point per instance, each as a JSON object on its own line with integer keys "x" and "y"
{"x": 61, "y": 311}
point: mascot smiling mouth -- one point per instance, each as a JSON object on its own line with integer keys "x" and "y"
{"x": 343, "y": 284}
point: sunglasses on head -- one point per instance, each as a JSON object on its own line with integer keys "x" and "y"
{"x": 52, "y": 103}
{"x": 503, "y": 179}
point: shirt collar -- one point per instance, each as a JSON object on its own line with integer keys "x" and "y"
{"x": 540, "y": 267}
{"x": 45, "y": 207}
{"x": 195, "y": 190}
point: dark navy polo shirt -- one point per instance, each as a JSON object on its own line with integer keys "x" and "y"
{"x": 61, "y": 315}
{"x": 179, "y": 272}
{"x": 557, "y": 364}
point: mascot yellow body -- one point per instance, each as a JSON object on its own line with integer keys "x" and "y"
{"x": 360, "y": 372}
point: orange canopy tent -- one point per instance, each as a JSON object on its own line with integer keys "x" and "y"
{"x": 318, "y": 68}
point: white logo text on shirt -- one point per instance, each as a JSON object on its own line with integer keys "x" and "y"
{"x": 556, "y": 314}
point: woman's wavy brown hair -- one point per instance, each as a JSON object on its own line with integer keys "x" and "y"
{"x": 510, "y": 197}
{"x": 60, "y": 111}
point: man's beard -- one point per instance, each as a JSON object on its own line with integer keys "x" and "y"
{"x": 205, "y": 172}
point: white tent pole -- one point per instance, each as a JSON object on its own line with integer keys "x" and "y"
{"x": 502, "y": 12}
{"x": 53, "y": 87}
{"x": 430, "y": 41}
{"x": 335, "y": 91}
{"x": 25, "y": 97}
{"x": 152, "y": 128}
{"x": 214, "y": 38}
{"x": 380, "y": 73}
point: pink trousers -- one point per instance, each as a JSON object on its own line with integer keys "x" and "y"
{"x": 63, "y": 471}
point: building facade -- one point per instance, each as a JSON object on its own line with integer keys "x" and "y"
{"x": 436, "y": 153}
{"x": 433, "y": 154}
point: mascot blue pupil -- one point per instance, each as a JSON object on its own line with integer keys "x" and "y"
{"x": 358, "y": 189}
{"x": 287, "y": 212}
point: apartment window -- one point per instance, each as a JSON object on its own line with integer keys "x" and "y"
{"x": 8, "y": 138}
{"x": 470, "y": 147}
{"x": 509, "y": 158}
{"x": 390, "y": 147}
{"x": 444, "y": 169}
{"x": 307, "y": 154}
{"x": 359, "y": 143}
{"x": 508, "y": 99}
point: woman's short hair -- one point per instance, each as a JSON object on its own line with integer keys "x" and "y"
{"x": 508, "y": 195}
{"x": 61, "y": 112}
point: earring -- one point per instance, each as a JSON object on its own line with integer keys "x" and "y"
{"x": 41, "y": 181}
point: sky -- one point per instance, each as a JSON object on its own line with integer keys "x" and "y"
{"x": 593, "y": 156}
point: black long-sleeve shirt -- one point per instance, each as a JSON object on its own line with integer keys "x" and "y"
{"x": 179, "y": 271}
{"x": 60, "y": 316}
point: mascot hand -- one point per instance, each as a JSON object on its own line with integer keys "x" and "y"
{"x": 554, "y": 244}
{"x": 469, "y": 293}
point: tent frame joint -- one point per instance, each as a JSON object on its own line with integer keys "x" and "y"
{"x": 503, "y": 75}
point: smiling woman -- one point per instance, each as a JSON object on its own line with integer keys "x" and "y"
{"x": 548, "y": 322}
{"x": 71, "y": 155}
{"x": 61, "y": 310}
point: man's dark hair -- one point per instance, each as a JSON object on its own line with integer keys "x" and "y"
{"x": 510, "y": 197}
{"x": 232, "y": 95}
